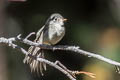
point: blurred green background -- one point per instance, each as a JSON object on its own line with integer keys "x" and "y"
{"x": 94, "y": 25}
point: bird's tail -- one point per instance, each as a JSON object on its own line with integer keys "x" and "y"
{"x": 34, "y": 64}
{"x": 117, "y": 69}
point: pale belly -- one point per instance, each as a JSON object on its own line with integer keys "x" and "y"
{"x": 53, "y": 36}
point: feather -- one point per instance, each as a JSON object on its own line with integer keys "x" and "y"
{"x": 36, "y": 51}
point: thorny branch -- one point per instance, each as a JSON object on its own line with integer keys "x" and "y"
{"x": 75, "y": 49}
{"x": 69, "y": 73}
{"x": 10, "y": 43}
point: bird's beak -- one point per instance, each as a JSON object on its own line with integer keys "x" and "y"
{"x": 64, "y": 20}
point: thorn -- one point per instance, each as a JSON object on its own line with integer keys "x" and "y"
{"x": 19, "y": 36}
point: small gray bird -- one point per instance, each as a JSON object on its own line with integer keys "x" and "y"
{"x": 51, "y": 33}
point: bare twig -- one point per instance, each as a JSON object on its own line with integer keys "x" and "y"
{"x": 11, "y": 44}
{"x": 92, "y": 75}
{"x": 74, "y": 73}
{"x": 69, "y": 73}
{"x": 75, "y": 49}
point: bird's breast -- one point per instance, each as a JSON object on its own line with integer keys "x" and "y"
{"x": 55, "y": 34}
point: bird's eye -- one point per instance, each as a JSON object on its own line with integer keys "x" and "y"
{"x": 55, "y": 19}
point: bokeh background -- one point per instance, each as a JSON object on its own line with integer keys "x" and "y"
{"x": 94, "y": 25}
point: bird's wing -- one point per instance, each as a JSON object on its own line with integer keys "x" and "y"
{"x": 36, "y": 51}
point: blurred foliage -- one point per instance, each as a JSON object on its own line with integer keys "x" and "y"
{"x": 92, "y": 24}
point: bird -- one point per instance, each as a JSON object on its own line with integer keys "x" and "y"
{"x": 50, "y": 34}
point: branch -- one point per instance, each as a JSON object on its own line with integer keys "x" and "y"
{"x": 75, "y": 49}
{"x": 69, "y": 73}
{"x": 10, "y": 43}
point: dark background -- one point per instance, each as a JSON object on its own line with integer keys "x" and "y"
{"x": 94, "y": 25}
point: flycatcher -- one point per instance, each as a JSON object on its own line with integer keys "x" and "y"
{"x": 51, "y": 33}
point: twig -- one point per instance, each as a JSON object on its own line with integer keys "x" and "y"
{"x": 74, "y": 73}
{"x": 11, "y": 44}
{"x": 70, "y": 74}
{"x": 75, "y": 49}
